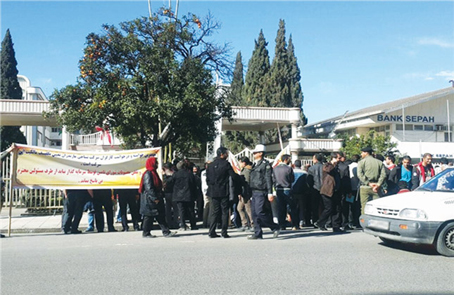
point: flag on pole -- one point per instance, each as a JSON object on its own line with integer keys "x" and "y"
{"x": 234, "y": 162}
{"x": 277, "y": 160}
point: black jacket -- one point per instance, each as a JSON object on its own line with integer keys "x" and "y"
{"x": 184, "y": 188}
{"x": 315, "y": 176}
{"x": 283, "y": 176}
{"x": 260, "y": 177}
{"x": 345, "y": 181}
{"x": 392, "y": 180}
{"x": 300, "y": 186}
{"x": 149, "y": 195}
{"x": 218, "y": 174}
{"x": 167, "y": 184}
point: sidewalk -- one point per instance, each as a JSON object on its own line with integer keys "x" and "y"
{"x": 21, "y": 223}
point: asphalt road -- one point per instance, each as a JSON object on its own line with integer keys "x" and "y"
{"x": 304, "y": 262}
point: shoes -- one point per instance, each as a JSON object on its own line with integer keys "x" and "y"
{"x": 254, "y": 237}
{"x": 301, "y": 224}
{"x": 89, "y": 229}
{"x": 276, "y": 233}
{"x": 182, "y": 229}
{"x": 112, "y": 230}
{"x": 2, "y": 236}
{"x": 76, "y": 231}
{"x": 170, "y": 234}
{"x": 194, "y": 228}
{"x": 214, "y": 236}
{"x": 295, "y": 228}
{"x": 149, "y": 236}
{"x": 125, "y": 229}
{"x": 338, "y": 230}
{"x": 225, "y": 236}
{"x": 251, "y": 230}
{"x": 243, "y": 228}
{"x": 348, "y": 227}
{"x": 315, "y": 224}
{"x": 322, "y": 228}
{"x": 283, "y": 228}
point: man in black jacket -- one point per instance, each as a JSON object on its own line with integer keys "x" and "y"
{"x": 345, "y": 191}
{"x": 315, "y": 174}
{"x": 283, "y": 178}
{"x": 218, "y": 179}
{"x": 261, "y": 184}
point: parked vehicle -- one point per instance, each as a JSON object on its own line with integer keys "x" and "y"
{"x": 423, "y": 216}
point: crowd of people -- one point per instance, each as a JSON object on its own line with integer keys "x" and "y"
{"x": 331, "y": 193}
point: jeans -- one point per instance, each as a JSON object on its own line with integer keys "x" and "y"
{"x": 89, "y": 207}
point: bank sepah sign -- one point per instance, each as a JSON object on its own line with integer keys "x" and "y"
{"x": 408, "y": 119}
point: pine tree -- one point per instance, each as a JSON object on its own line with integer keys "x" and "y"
{"x": 277, "y": 81}
{"x": 258, "y": 67}
{"x": 236, "y": 87}
{"x": 9, "y": 89}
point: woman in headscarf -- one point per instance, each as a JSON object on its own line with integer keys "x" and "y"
{"x": 151, "y": 201}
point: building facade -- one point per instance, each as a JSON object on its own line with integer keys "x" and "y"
{"x": 418, "y": 124}
{"x": 43, "y": 136}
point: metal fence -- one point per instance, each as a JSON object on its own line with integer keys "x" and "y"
{"x": 35, "y": 200}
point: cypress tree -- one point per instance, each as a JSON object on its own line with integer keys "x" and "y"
{"x": 236, "y": 87}
{"x": 295, "y": 76}
{"x": 296, "y": 92}
{"x": 258, "y": 67}
{"x": 9, "y": 89}
{"x": 278, "y": 77}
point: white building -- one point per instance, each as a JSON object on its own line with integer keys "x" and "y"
{"x": 43, "y": 136}
{"x": 418, "y": 124}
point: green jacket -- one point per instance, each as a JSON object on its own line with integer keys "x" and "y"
{"x": 371, "y": 170}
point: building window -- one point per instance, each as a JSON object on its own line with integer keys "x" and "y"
{"x": 407, "y": 127}
{"x": 56, "y": 130}
{"x": 418, "y": 127}
{"x": 428, "y": 127}
{"x": 447, "y": 139}
{"x": 55, "y": 143}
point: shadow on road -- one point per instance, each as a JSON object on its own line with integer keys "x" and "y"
{"x": 418, "y": 249}
{"x": 309, "y": 233}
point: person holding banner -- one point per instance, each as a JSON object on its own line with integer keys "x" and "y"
{"x": 74, "y": 205}
{"x": 103, "y": 198}
{"x": 151, "y": 201}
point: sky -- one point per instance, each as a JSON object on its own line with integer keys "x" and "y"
{"x": 351, "y": 54}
